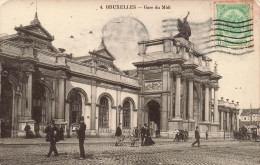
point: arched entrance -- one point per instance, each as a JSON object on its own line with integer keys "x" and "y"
{"x": 154, "y": 116}
{"x": 6, "y": 108}
{"x": 39, "y": 103}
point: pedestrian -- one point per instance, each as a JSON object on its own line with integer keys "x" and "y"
{"x": 134, "y": 137}
{"x": 27, "y": 129}
{"x": 62, "y": 132}
{"x": 148, "y": 139}
{"x": 81, "y": 136}
{"x": 177, "y": 135}
{"x": 143, "y": 134}
{"x": 53, "y": 137}
{"x": 119, "y": 136}
{"x": 207, "y": 134}
{"x": 197, "y": 137}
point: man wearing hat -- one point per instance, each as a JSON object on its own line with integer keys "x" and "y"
{"x": 197, "y": 137}
{"x": 81, "y": 136}
{"x": 143, "y": 134}
{"x": 52, "y": 132}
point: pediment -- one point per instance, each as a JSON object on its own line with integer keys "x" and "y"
{"x": 35, "y": 30}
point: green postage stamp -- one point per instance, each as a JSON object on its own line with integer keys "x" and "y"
{"x": 233, "y": 25}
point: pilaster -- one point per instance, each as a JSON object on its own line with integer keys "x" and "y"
{"x": 178, "y": 96}
{"x": 93, "y": 107}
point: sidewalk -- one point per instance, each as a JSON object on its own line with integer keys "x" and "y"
{"x": 37, "y": 141}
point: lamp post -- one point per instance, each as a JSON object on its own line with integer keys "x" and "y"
{"x": 224, "y": 122}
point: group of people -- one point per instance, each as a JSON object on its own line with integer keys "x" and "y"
{"x": 146, "y": 139}
{"x": 53, "y": 135}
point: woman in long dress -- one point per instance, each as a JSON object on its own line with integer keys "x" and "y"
{"x": 148, "y": 140}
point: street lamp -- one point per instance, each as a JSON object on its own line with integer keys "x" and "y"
{"x": 224, "y": 122}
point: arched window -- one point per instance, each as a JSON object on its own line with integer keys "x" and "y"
{"x": 126, "y": 114}
{"x": 75, "y": 107}
{"x": 103, "y": 112}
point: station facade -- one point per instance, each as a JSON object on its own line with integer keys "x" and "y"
{"x": 170, "y": 89}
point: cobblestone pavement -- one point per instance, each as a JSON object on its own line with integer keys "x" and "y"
{"x": 163, "y": 152}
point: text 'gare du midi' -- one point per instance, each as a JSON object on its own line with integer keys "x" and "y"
{"x": 174, "y": 90}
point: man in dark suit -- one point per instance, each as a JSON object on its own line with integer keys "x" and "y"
{"x": 119, "y": 136}
{"x": 27, "y": 130}
{"x": 81, "y": 136}
{"x": 53, "y": 135}
{"x": 143, "y": 134}
{"x": 197, "y": 137}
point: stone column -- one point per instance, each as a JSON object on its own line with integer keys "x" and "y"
{"x": 53, "y": 112}
{"x": 1, "y": 69}
{"x": 165, "y": 94}
{"x": 61, "y": 100}
{"x": 190, "y": 99}
{"x": 228, "y": 122}
{"x": 119, "y": 114}
{"x": 0, "y": 92}
{"x": 93, "y": 106}
{"x": 28, "y": 109}
{"x": 216, "y": 117}
{"x": 232, "y": 121}
{"x": 222, "y": 120}
{"x": 178, "y": 97}
{"x": 207, "y": 103}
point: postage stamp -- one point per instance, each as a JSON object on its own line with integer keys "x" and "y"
{"x": 233, "y": 24}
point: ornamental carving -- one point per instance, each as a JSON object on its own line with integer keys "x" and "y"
{"x": 153, "y": 86}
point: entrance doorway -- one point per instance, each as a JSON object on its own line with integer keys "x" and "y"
{"x": 154, "y": 117}
{"x": 6, "y": 108}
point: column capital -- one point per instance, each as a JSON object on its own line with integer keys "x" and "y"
{"x": 190, "y": 78}
{"x": 207, "y": 84}
{"x": 177, "y": 73}
{"x": 216, "y": 87}
{"x": 61, "y": 74}
{"x": 28, "y": 67}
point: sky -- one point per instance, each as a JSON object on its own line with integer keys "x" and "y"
{"x": 89, "y": 21}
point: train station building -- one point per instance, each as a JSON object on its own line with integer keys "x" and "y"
{"x": 171, "y": 88}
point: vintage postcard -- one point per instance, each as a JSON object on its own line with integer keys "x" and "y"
{"x": 129, "y": 82}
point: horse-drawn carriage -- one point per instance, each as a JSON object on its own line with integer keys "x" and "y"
{"x": 246, "y": 133}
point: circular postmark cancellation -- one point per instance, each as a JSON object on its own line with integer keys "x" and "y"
{"x": 233, "y": 25}
{"x": 122, "y": 34}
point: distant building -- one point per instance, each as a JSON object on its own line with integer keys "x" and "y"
{"x": 228, "y": 115}
{"x": 250, "y": 117}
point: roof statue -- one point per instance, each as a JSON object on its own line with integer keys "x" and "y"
{"x": 215, "y": 67}
{"x": 183, "y": 28}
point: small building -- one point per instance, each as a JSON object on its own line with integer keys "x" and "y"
{"x": 250, "y": 117}
{"x": 228, "y": 116}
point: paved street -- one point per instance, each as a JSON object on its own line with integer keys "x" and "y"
{"x": 103, "y": 151}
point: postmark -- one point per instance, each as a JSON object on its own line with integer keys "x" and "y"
{"x": 233, "y": 24}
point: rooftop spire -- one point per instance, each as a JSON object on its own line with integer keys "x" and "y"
{"x": 102, "y": 44}
{"x": 35, "y": 20}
